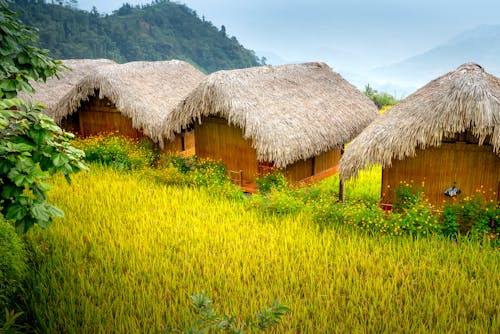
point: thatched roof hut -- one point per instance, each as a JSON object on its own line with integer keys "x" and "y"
{"x": 146, "y": 92}
{"x": 57, "y": 89}
{"x": 464, "y": 100}
{"x": 290, "y": 112}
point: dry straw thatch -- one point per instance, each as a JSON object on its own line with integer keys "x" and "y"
{"x": 55, "y": 90}
{"x": 289, "y": 112}
{"x": 144, "y": 91}
{"x": 466, "y": 99}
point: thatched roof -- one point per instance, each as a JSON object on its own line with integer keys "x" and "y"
{"x": 144, "y": 91}
{"x": 289, "y": 112}
{"x": 55, "y": 90}
{"x": 467, "y": 99}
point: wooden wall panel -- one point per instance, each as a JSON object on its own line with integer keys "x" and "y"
{"x": 326, "y": 161}
{"x": 182, "y": 143}
{"x": 300, "y": 170}
{"x": 100, "y": 115}
{"x": 469, "y": 165}
{"x": 174, "y": 145}
{"x": 189, "y": 140}
{"x": 71, "y": 123}
{"x": 216, "y": 139}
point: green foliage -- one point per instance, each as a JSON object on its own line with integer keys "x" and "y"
{"x": 407, "y": 196}
{"x": 118, "y": 152}
{"x": 32, "y": 147}
{"x": 279, "y": 201}
{"x": 474, "y": 216}
{"x": 13, "y": 269}
{"x": 412, "y": 214}
{"x": 158, "y": 31}
{"x": 20, "y": 62}
{"x": 208, "y": 321}
{"x": 270, "y": 181}
{"x": 381, "y": 99}
{"x": 192, "y": 171}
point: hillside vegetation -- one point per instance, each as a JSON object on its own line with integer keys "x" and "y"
{"x": 159, "y": 31}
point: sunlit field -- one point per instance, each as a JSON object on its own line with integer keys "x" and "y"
{"x": 130, "y": 252}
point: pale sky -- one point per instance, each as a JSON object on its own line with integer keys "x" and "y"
{"x": 349, "y": 35}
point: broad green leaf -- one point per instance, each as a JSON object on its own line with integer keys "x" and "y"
{"x": 54, "y": 211}
{"x": 16, "y": 212}
{"x": 11, "y": 191}
{"x": 17, "y": 177}
{"x": 40, "y": 213}
{"x": 60, "y": 159}
{"x": 21, "y": 147}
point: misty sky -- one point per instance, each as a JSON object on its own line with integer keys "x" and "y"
{"x": 346, "y": 33}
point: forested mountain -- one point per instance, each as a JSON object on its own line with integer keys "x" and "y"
{"x": 159, "y": 31}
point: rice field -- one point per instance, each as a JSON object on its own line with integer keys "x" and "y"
{"x": 130, "y": 252}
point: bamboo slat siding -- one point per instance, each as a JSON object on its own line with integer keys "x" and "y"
{"x": 217, "y": 140}
{"x": 100, "y": 116}
{"x": 183, "y": 143}
{"x": 469, "y": 165}
{"x": 326, "y": 161}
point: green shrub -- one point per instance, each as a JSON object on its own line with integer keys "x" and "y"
{"x": 32, "y": 147}
{"x": 473, "y": 216}
{"x": 381, "y": 99}
{"x": 192, "y": 171}
{"x": 118, "y": 152}
{"x": 208, "y": 321}
{"x": 13, "y": 268}
{"x": 407, "y": 196}
{"x": 279, "y": 201}
{"x": 271, "y": 181}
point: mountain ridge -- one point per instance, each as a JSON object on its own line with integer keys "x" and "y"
{"x": 479, "y": 45}
{"x": 158, "y": 31}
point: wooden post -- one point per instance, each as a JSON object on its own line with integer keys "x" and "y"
{"x": 341, "y": 191}
{"x": 341, "y": 182}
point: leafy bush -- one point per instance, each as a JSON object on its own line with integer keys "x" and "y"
{"x": 474, "y": 216}
{"x": 381, "y": 99}
{"x": 413, "y": 215}
{"x": 407, "y": 196}
{"x": 192, "y": 171}
{"x": 118, "y": 152}
{"x": 208, "y": 321}
{"x": 13, "y": 268}
{"x": 32, "y": 147}
{"x": 279, "y": 201}
{"x": 270, "y": 181}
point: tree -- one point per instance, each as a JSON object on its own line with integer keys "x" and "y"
{"x": 32, "y": 146}
{"x": 382, "y": 99}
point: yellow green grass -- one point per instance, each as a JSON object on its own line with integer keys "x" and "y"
{"x": 129, "y": 253}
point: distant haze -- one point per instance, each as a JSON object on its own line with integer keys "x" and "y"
{"x": 352, "y": 36}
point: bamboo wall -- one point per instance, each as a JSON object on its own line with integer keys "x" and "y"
{"x": 216, "y": 139}
{"x": 183, "y": 142}
{"x": 469, "y": 165}
{"x": 305, "y": 169}
{"x": 97, "y": 116}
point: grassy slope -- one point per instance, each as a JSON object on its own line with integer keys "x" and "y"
{"x": 129, "y": 253}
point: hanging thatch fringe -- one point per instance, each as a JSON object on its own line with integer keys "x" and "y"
{"x": 467, "y": 99}
{"x": 290, "y": 112}
{"x": 55, "y": 90}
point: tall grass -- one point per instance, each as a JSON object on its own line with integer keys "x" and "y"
{"x": 129, "y": 253}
